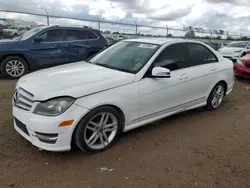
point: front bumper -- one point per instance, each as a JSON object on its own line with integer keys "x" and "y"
{"x": 241, "y": 71}
{"x": 232, "y": 57}
{"x": 43, "y": 132}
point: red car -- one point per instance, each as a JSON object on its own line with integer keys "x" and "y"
{"x": 242, "y": 67}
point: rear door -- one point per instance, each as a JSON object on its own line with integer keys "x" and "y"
{"x": 80, "y": 43}
{"x": 49, "y": 50}
{"x": 203, "y": 67}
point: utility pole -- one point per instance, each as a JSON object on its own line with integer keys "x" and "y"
{"x": 47, "y": 15}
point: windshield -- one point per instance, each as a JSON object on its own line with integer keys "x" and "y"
{"x": 30, "y": 33}
{"x": 13, "y": 28}
{"x": 238, "y": 44}
{"x": 125, "y": 56}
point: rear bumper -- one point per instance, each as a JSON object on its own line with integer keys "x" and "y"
{"x": 241, "y": 71}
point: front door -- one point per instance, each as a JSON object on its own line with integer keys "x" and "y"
{"x": 49, "y": 51}
{"x": 166, "y": 95}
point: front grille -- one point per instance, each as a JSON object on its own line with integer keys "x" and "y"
{"x": 21, "y": 126}
{"x": 247, "y": 65}
{"x": 23, "y": 99}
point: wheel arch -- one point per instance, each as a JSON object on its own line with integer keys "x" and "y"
{"x": 15, "y": 54}
{"x": 214, "y": 84}
{"x": 225, "y": 86}
{"x": 115, "y": 107}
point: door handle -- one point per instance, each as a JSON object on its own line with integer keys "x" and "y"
{"x": 213, "y": 69}
{"x": 183, "y": 76}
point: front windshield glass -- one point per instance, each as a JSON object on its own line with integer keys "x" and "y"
{"x": 125, "y": 56}
{"x": 12, "y": 27}
{"x": 30, "y": 33}
{"x": 238, "y": 44}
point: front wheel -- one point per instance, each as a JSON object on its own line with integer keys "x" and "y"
{"x": 216, "y": 96}
{"x": 14, "y": 67}
{"x": 98, "y": 130}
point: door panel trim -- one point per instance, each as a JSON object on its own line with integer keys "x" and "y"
{"x": 165, "y": 113}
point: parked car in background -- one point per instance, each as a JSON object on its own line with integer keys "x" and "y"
{"x": 120, "y": 37}
{"x": 128, "y": 85}
{"x": 48, "y": 46}
{"x": 214, "y": 45}
{"x": 235, "y": 50}
{"x": 242, "y": 67}
{"x": 14, "y": 31}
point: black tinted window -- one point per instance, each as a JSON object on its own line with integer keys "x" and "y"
{"x": 53, "y": 35}
{"x": 172, "y": 57}
{"x": 211, "y": 58}
{"x": 72, "y": 35}
{"x": 200, "y": 55}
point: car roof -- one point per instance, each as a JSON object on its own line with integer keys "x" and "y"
{"x": 73, "y": 26}
{"x": 161, "y": 41}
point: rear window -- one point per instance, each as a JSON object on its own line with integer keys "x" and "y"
{"x": 73, "y": 34}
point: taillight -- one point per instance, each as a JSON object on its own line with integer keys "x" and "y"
{"x": 107, "y": 42}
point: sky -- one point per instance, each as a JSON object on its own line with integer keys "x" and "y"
{"x": 228, "y": 15}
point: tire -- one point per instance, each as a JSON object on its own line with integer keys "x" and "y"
{"x": 86, "y": 130}
{"x": 12, "y": 60}
{"x": 211, "y": 99}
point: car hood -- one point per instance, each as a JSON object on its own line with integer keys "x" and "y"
{"x": 74, "y": 79}
{"x": 230, "y": 49}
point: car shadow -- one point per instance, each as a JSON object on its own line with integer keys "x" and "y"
{"x": 126, "y": 137}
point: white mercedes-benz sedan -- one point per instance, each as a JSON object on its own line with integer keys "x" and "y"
{"x": 128, "y": 85}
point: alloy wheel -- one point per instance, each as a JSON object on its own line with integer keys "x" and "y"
{"x": 100, "y": 130}
{"x": 15, "y": 68}
{"x": 217, "y": 97}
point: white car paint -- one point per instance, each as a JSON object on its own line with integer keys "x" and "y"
{"x": 142, "y": 100}
{"x": 233, "y": 53}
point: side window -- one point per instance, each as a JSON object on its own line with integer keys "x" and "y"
{"x": 172, "y": 57}
{"x": 54, "y": 35}
{"x": 200, "y": 55}
{"x": 72, "y": 35}
{"x": 211, "y": 58}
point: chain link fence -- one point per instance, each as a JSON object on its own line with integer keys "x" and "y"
{"x": 128, "y": 28}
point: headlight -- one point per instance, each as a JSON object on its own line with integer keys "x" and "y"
{"x": 54, "y": 107}
{"x": 239, "y": 62}
{"x": 237, "y": 51}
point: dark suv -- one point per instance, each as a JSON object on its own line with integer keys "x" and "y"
{"x": 48, "y": 46}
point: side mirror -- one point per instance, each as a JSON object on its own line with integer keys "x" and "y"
{"x": 37, "y": 40}
{"x": 160, "y": 72}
